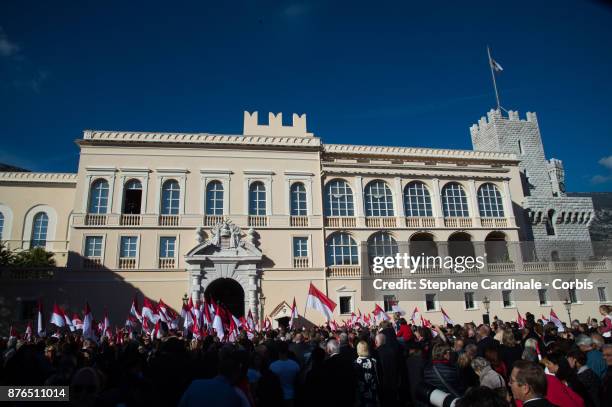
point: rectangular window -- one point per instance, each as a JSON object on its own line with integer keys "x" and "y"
{"x": 93, "y": 246}
{"x": 129, "y": 246}
{"x": 167, "y": 247}
{"x": 543, "y": 296}
{"x": 573, "y": 297}
{"x": 602, "y": 294}
{"x": 431, "y": 302}
{"x": 300, "y": 247}
{"x": 346, "y": 305}
{"x": 469, "y": 300}
{"x": 389, "y": 302}
{"x": 507, "y": 299}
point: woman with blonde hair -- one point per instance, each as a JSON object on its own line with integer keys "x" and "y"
{"x": 510, "y": 350}
{"x": 367, "y": 377}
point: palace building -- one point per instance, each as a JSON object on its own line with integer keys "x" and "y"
{"x": 253, "y": 219}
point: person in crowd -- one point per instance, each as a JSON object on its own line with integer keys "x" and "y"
{"x": 404, "y": 333}
{"x": 347, "y": 351}
{"x": 389, "y": 359}
{"x": 528, "y": 384}
{"x": 287, "y": 371}
{"x": 606, "y": 399}
{"x": 441, "y": 374}
{"x": 510, "y": 349}
{"x": 489, "y": 377}
{"x": 485, "y": 341}
{"x": 482, "y": 396}
{"x": 367, "y": 377}
{"x": 468, "y": 377}
{"x": 595, "y": 360}
{"x": 339, "y": 377}
{"x": 558, "y": 367}
{"x": 606, "y": 328}
{"x": 576, "y": 360}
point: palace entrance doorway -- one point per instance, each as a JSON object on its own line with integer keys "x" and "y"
{"x": 227, "y": 292}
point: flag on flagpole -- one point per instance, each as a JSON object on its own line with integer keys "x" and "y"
{"x": 87, "y": 323}
{"x": 446, "y": 318}
{"x": 149, "y": 311}
{"x": 13, "y": 332}
{"x": 555, "y": 320}
{"x": 134, "y": 309}
{"x": 69, "y": 323}
{"x": 496, "y": 66}
{"x": 250, "y": 321}
{"x": 320, "y": 302}
{"x": 218, "y": 323}
{"x": 380, "y": 314}
{"x": 28, "y": 332}
{"x": 76, "y": 321}
{"x": 415, "y": 315}
{"x": 294, "y": 314}
{"x": 425, "y": 322}
{"x": 545, "y": 320}
{"x": 520, "y": 320}
{"x": 57, "y": 317}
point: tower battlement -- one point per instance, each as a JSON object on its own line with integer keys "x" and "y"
{"x": 494, "y": 116}
{"x": 275, "y": 126}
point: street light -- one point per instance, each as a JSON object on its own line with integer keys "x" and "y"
{"x": 185, "y": 299}
{"x": 487, "y": 303}
{"x": 568, "y": 308}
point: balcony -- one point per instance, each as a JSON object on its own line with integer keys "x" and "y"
{"x": 95, "y": 219}
{"x": 458, "y": 223}
{"x": 92, "y": 263}
{"x": 298, "y": 221}
{"x": 300, "y": 262}
{"x": 380, "y": 222}
{"x": 129, "y": 219}
{"x": 420, "y": 222}
{"x": 127, "y": 263}
{"x": 168, "y": 220}
{"x": 258, "y": 221}
{"x": 167, "y": 263}
{"x": 212, "y": 220}
{"x": 344, "y": 271}
{"x": 501, "y": 267}
{"x": 493, "y": 222}
{"x": 340, "y": 222}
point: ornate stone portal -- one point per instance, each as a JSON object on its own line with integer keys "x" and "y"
{"x": 226, "y": 254}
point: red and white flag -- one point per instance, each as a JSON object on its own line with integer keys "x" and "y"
{"x": 545, "y": 320}
{"x": 294, "y": 314}
{"x": 333, "y": 325}
{"x": 320, "y": 302}
{"x": 416, "y": 316}
{"x": 13, "y": 332}
{"x": 88, "y": 328}
{"x": 57, "y": 317}
{"x": 40, "y": 327}
{"x": 218, "y": 323}
{"x": 425, "y": 322}
{"x": 267, "y": 324}
{"x": 106, "y": 324}
{"x": 69, "y": 323}
{"x": 76, "y": 321}
{"x": 187, "y": 316}
{"x": 207, "y": 317}
{"x": 380, "y": 314}
{"x": 520, "y": 320}
{"x": 446, "y": 319}
{"x": 134, "y": 309}
{"x": 149, "y": 311}
{"x": 163, "y": 312}
{"x": 250, "y": 321}
{"x": 555, "y": 320}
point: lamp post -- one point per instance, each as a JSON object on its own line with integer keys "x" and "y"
{"x": 262, "y": 301}
{"x": 185, "y": 299}
{"x": 568, "y": 308}
{"x": 487, "y": 303}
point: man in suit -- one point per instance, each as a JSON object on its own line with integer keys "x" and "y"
{"x": 528, "y": 384}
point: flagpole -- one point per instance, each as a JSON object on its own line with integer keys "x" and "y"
{"x": 306, "y": 304}
{"x": 493, "y": 76}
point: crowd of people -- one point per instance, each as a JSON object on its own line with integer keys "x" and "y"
{"x": 391, "y": 364}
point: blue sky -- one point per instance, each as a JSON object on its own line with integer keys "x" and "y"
{"x": 387, "y": 72}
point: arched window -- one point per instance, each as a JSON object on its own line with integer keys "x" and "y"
{"x": 257, "y": 199}
{"x": 496, "y": 248}
{"x": 381, "y": 244}
{"x": 490, "y": 201}
{"x": 1, "y": 224}
{"x": 39, "y": 230}
{"x": 454, "y": 201}
{"x": 417, "y": 201}
{"x": 214, "y": 198}
{"x": 171, "y": 197}
{"x": 423, "y": 244}
{"x": 132, "y": 197}
{"x": 338, "y": 199}
{"x": 460, "y": 245}
{"x": 378, "y": 199}
{"x": 98, "y": 197}
{"x": 298, "y": 199}
{"x": 341, "y": 249}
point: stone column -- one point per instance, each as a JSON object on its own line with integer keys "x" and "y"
{"x": 436, "y": 203}
{"x": 252, "y": 292}
{"x": 195, "y": 279}
{"x": 358, "y": 201}
{"x": 508, "y": 209}
{"x": 398, "y": 201}
{"x": 473, "y": 203}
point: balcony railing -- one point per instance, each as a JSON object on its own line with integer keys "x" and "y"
{"x": 420, "y": 222}
{"x": 501, "y": 267}
{"x": 127, "y": 263}
{"x": 458, "y": 222}
{"x": 340, "y": 222}
{"x": 344, "y": 271}
{"x": 167, "y": 263}
{"x": 380, "y": 222}
{"x": 258, "y": 220}
{"x": 212, "y": 220}
{"x": 130, "y": 219}
{"x": 493, "y": 222}
{"x": 92, "y": 263}
{"x": 95, "y": 219}
{"x": 168, "y": 220}
{"x": 298, "y": 221}
{"x": 300, "y": 262}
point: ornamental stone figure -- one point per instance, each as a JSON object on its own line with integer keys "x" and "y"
{"x": 226, "y": 235}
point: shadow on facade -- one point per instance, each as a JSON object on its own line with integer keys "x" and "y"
{"x": 103, "y": 288}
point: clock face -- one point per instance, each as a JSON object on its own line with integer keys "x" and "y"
{"x": 561, "y": 187}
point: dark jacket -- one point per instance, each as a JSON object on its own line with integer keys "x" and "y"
{"x": 443, "y": 376}
{"x": 592, "y": 387}
{"x": 389, "y": 371}
{"x": 539, "y": 403}
{"x": 339, "y": 381}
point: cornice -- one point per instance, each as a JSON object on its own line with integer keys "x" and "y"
{"x": 38, "y": 177}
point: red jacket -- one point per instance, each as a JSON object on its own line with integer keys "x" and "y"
{"x": 404, "y": 332}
